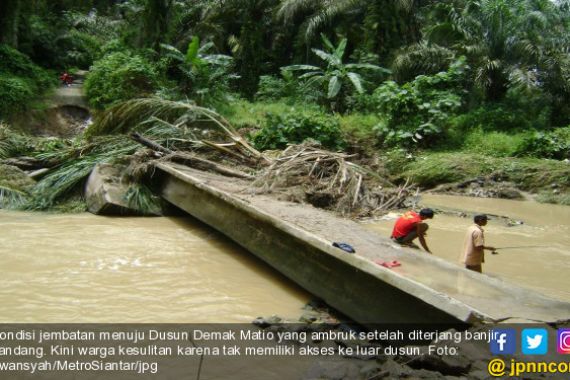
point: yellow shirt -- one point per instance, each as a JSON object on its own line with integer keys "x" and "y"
{"x": 473, "y": 246}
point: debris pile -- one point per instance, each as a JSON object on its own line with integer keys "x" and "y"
{"x": 330, "y": 180}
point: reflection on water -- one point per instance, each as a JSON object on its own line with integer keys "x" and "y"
{"x": 86, "y": 268}
{"x": 543, "y": 264}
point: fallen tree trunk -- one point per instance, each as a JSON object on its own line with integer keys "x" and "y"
{"x": 149, "y": 143}
{"x": 188, "y": 159}
{"x": 202, "y": 164}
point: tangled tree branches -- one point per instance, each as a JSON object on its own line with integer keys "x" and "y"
{"x": 202, "y": 139}
{"x": 330, "y": 181}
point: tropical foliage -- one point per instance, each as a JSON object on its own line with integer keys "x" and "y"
{"x": 119, "y": 77}
{"x": 489, "y": 77}
{"x": 296, "y": 127}
{"x": 419, "y": 111}
{"x": 200, "y": 76}
{"x": 20, "y": 80}
{"x": 335, "y": 76}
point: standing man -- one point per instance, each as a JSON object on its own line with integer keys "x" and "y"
{"x": 410, "y": 226}
{"x": 474, "y": 245}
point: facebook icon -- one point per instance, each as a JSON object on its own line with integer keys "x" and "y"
{"x": 503, "y": 341}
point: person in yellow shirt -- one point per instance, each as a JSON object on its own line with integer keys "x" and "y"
{"x": 474, "y": 245}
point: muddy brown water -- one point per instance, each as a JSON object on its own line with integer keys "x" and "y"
{"x": 86, "y": 268}
{"x": 543, "y": 261}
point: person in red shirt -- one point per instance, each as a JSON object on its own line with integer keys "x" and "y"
{"x": 411, "y": 226}
{"x": 66, "y": 79}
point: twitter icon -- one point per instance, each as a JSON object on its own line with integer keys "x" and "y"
{"x": 534, "y": 341}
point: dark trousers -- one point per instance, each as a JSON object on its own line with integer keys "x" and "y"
{"x": 413, "y": 234}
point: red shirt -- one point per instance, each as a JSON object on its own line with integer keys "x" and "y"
{"x": 406, "y": 224}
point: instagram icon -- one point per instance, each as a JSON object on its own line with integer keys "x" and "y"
{"x": 563, "y": 345}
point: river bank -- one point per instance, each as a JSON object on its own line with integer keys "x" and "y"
{"x": 477, "y": 175}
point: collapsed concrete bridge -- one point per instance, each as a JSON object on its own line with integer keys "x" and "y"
{"x": 297, "y": 241}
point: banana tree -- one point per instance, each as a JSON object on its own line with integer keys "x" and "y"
{"x": 202, "y": 76}
{"x": 334, "y": 76}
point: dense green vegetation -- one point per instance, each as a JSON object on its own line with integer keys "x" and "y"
{"x": 437, "y": 81}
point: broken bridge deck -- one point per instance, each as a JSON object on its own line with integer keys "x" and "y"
{"x": 296, "y": 239}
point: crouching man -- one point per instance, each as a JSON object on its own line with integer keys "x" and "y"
{"x": 411, "y": 226}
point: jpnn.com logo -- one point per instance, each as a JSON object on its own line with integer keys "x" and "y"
{"x": 503, "y": 342}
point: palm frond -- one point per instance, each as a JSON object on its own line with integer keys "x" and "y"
{"x": 140, "y": 198}
{"x": 523, "y": 78}
{"x": 64, "y": 179}
{"x": 11, "y": 197}
{"x": 127, "y": 115}
{"x": 290, "y": 8}
{"x": 329, "y": 10}
{"x": 421, "y": 58}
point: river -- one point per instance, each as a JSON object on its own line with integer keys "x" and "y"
{"x": 87, "y": 268}
{"x": 543, "y": 261}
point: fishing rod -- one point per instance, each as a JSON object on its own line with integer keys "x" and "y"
{"x": 522, "y": 246}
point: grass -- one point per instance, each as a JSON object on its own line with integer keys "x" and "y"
{"x": 550, "y": 197}
{"x": 360, "y": 127}
{"x": 244, "y": 114}
{"x": 529, "y": 174}
{"x": 496, "y": 144}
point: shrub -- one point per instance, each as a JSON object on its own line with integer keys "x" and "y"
{"x": 419, "y": 111}
{"x": 285, "y": 87}
{"x": 78, "y": 49}
{"x": 203, "y": 77}
{"x": 492, "y": 117}
{"x": 118, "y": 77}
{"x": 282, "y": 129}
{"x": 14, "y": 93}
{"x": 553, "y": 144}
{"x": 493, "y": 143}
{"x": 20, "y": 80}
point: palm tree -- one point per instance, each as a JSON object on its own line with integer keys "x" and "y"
{"x": 9, "y": 21}
{"x": 156, "y": 18}
{"x": 508, "y": 43}
{"x": 246, "y": 28}
{"x": 382, "y": 25}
